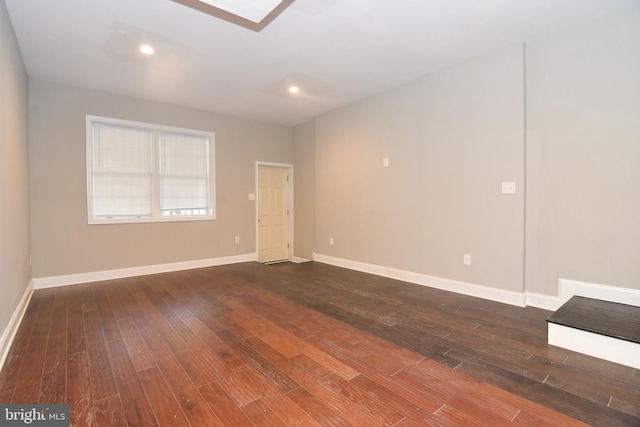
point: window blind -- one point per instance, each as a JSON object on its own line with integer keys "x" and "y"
{"x": 184, "y": 174}
{"x": 122, "y": 172}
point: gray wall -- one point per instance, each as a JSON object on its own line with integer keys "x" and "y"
{"x": 304, "y": 190}
{"x": 583, "y": 109}
{"x": 15, "y": 246}
{"x": 63, "y": 242}
{"x": 454, "y": 136}
{"x": 451, "y": 139}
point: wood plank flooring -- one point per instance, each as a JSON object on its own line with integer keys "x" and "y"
{"x": 301, "y": 344}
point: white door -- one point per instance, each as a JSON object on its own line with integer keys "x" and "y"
{"x": 273, "y": 213}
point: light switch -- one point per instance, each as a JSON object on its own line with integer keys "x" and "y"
{"x": 252, "y": 196}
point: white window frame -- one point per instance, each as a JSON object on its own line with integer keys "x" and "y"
{"x": 157, "y": 131}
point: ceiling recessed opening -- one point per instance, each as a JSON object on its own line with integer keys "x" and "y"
{"x": 251, "y": 14}
{"x": 255, "y": 10}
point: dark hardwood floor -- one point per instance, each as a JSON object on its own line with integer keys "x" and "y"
{"x": 605, "y": 318}
{"x": 301, "y": 344}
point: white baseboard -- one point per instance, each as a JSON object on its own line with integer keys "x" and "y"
{"x": 10, "y": 331}
{"x": 569, "y": 288}
{"x": 603, "y": 347}
{"x": 479, "y": 291}
{"x": 546, "y": 302}
{"x": 74, "y": 279}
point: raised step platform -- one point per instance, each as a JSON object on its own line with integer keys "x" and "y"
{"x": 602, "y": 329}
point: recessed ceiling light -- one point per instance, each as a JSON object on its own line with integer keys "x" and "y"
{"x": 294, "y": 89}
{"x": 146, "y": 49}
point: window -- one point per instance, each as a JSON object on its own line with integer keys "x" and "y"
{"x": 138, "y": 172}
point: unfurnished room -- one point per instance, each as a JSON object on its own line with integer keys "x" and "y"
{"x": 319, "y": 213}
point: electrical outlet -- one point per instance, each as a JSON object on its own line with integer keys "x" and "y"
{"x": 509, "y": 188}
{"x": 385, "y": 162}
{"x": 467, "y": 259}
{"x": 331, "y": 241}
{"x": 236, "y": 239}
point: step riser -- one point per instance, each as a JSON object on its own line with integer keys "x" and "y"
{"x": 600, "y": 346}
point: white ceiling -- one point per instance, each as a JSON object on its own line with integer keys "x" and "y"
{"x": 336, "y": 51}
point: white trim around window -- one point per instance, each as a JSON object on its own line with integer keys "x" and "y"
{"x": 141, "y": 172}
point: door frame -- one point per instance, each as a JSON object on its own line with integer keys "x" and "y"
{"x": 289, "y": 203}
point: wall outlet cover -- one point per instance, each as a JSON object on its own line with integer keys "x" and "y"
{"x": 509, "y": 187}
